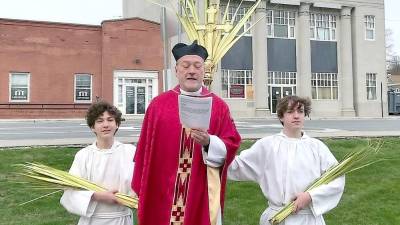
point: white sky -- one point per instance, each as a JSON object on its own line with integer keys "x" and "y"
{"x": 392, "y": 22}
{"x": 70, "y": 11}
{"x": 95, "y": 11}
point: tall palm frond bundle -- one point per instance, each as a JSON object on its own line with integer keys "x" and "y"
{"x": 51, "y": 178}
{"x": 216, "y": 33}
{"x": 351, "y": 162}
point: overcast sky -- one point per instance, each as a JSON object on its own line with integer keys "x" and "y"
{"x": 95, "y": 11}
{"x": 392, "y": 22}
{"x": 70, "y": 11}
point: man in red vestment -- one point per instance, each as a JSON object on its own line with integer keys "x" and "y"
{"x": 172, "y": 162}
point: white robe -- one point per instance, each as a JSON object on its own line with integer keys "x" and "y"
{"x": 285, "y": 166}
{"x": 110, "y": 168}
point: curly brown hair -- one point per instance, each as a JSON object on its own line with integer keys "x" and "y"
{"x": 98, "y": 108}
{"x": 290, "y": 103}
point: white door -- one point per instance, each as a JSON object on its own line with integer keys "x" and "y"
{"x": 278, "y": 92}
{"x": 135, "y": 99}
{"x": 133, "y": 90}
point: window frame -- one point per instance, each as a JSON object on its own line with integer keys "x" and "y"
{"x": 240, "y": 14}
{"x": 320, "y": 18}
{"x": 185, "y": 7}
{"x": 28, "y": 86}
{"x": 285, "y": 16}
{"x": 370, "y": 25}
{"x": 371, "y": 78}
{"x": 91, "y": 88}
{"x": 282, "y": 78}
{"x": 317, "y": 79}
{"x": 247, "y": 79}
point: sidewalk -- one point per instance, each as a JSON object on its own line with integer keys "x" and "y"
{"x": 36, "y": 132}
{"x": 336, "y": 134}
{"x": 78, "y": 142}
{"x": 140, "y": 118}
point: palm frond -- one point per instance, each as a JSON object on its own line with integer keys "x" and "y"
{"x": 353, "y": 161}
{"x": 216, "y": 33}
{"x": 50, "y": 178}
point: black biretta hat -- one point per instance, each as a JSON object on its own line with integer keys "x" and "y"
{"x": 182, "y": 49}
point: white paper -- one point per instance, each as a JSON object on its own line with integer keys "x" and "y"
{"x": 195, "y": 112}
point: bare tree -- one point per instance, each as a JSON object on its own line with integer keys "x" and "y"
{"x": 392, "y": 60}
{"x": 389, "y": 45}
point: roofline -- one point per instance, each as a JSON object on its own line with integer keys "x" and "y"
{"x": 130, "y": 18}
{"x": 49, "y": 22}
{"x": 73, "y": 24}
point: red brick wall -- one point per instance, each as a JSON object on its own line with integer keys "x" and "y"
{"x": 53, "y": 53}
{"x": 130, "y": 45}
{"x": 28, "y": 113}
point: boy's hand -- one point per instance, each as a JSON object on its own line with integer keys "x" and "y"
{"x": 134, "y": 195}
{"x": 303, "y": 199}
{"x": 106, "y": 197}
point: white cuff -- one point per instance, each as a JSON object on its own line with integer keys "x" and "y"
{"x": 78, "y": 202}
{"x": 216, "y": 155}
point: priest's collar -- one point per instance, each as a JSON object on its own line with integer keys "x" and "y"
{"x": 203, "y": 91}
{"x": 195, "y": 93}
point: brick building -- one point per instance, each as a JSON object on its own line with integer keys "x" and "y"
{"x": 55, "y": 70}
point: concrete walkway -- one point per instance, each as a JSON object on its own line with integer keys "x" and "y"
{"x": 343, "y": 128}
{"x": 78, "y": 142}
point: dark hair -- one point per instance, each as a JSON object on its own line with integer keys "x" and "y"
{"x": 98, "y": 108}
{"x": 290, "y": 103}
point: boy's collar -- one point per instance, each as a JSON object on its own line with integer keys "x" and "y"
{"x": 114, "y": 145}
{"x": 303, "y": 135}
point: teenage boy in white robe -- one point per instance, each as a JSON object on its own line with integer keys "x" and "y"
{"x": 106, "y": 162}
{"x": 285, "y": 164}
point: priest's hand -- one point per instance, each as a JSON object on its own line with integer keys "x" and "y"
{"x": 201, "y": 136}
{"x": 303, "y": 199}
{"x": 105, "y": 197}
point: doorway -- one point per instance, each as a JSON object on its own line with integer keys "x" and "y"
{"x": 135, "y": 99}
{"x": 133, "y": 90}
{"x": 278, "y": 92}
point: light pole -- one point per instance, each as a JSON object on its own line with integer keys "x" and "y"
{"x": 164, "y": 38}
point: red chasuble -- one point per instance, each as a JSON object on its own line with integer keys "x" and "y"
{"x": 170, "y": 176}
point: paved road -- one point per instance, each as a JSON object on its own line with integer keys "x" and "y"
{"x": 70, "y": 132}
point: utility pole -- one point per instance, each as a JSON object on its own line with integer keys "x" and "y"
{"x": 179, "y": 23}
{"x": 164, "y": 38}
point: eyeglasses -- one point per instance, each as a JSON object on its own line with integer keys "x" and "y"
{"x": 186, "y": 64}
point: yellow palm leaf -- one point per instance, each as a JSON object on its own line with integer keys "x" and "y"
{"x": 58, "y": 179}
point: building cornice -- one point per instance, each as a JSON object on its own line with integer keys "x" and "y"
{"x": 129, "y": 18}
{"x": 46, "y": 23}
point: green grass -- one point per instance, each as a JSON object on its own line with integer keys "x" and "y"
{"x": 371, "y": 194}
{"x": 46, "y": 211}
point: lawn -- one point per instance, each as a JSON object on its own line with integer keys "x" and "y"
{"x": 371, "y": 194}
{"x": 370, "y": 198}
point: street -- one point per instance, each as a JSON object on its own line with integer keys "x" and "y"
{"x": 75, "y": 132}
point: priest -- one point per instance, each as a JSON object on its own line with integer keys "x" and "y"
{"x": 174, "y": 165}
